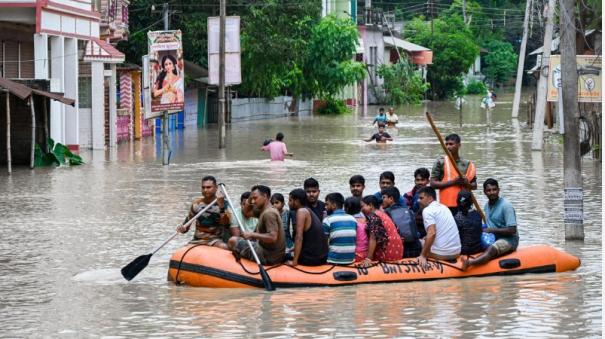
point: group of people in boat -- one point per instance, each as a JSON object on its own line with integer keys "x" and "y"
{"x": 362, "y": 228}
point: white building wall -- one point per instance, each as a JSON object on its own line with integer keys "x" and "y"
{"x": 57, "y": 75}
{"x": 97, "y": 119}
{"x": 71, "y": 91}
{"x": 41, "y": 64}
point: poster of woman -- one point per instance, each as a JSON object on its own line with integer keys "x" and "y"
{"x": 166, "y": 71}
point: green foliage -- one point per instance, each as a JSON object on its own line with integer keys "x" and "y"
{"x": 402, "y": 83}
{"x": 334, "y": 106}
{"x": 476, "y": 87}
{"x": 329, "y": 66}
{"x": 57, "y": 155}
{"x": 274, "y": 46}
{"x": 454, "y": 51}
{"x": 500, "y": 62}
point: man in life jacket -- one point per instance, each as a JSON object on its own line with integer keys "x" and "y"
{"x": 445, "y": 178}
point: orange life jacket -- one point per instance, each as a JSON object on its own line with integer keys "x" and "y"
{"x": 449, "y": 195}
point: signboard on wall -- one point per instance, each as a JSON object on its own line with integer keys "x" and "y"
{"x": 233, "y": 75}
{"x": 589, "y": 77}
{"x": 166, "y": 72}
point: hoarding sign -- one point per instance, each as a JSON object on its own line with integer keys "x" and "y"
{"x": 589, "y": 77}
{"x": 233, "y": 75}
{"x": 166, "y": 72}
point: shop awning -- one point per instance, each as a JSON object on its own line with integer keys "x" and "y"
{"x": 403, "y": 44}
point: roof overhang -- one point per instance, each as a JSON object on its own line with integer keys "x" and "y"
{"x": 392, "y": 41}
{"x": 99, "y": 50}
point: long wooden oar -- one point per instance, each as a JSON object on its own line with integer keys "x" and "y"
{"x": 137, "y": 265}
{"x": 266, "y": 280}
{"x": 451, "y": 157}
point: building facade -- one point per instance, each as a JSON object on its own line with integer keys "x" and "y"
{"x": 61, "y": 41}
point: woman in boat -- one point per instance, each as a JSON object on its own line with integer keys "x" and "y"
{"x": 384, "y": 241}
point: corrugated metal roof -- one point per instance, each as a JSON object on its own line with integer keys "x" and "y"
{"x": 24, "y": 92}
{"x": 403, "y": 44}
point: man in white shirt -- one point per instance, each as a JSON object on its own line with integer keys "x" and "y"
{"x": 442, "y": 240}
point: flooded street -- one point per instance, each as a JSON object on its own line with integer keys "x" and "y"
{"x": 66, "y": 232}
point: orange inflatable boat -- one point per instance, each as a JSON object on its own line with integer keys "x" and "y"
{"x": 205, "y": 266}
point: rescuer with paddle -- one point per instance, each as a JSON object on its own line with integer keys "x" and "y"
{"x": 445, "y": 178}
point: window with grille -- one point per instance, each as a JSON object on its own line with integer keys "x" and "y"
{"x": 84, "y": 92}
{"x": 17, "y": 59}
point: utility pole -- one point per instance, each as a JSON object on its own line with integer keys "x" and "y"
{"x": 521, "y": 62}
{"x": 538, "y": 133}
{"x": 464, "y": 12}
{"x": 165, "y": 138}
{"x": 572, "y": 162}
{"x": 221, "y": 76}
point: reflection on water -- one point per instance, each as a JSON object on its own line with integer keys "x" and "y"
{"x": 67, "y": 231}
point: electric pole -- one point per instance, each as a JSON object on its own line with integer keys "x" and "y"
{"x": 221, "y": 77}
{"x": 521, "y": 63}
{"x": 165, "y": 138}
{"x": 572, "y": 162}
{"x": 538, "y": 133}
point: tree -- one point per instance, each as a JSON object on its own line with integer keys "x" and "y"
{"x": 500, "y": 62}
{"x": 402, "y": 83}
{"x": 454, "y": 51}
{"x": 329, "y": 65}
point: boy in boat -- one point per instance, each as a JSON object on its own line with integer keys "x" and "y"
{"x": 277, "y": 148}
{"x": 277, "y": 200}
{"x": 318, "y": 207}
{"x": 357, "y": 184}
{"x": 268, "y": 240}
{"x": 310, "y": 242}
{"x": 392, "y": 118}
{"x": 442, "y": 241}
{"x": 341, "y": 230}
{"x": 421, "y": 179}
{"x": 245, "y": 214}
{"x": 212, "y": 225}
{"x": 381, "y": 137}
{"x": 381, "y": 118}
{"x": 386, "y": 179}
{"x": 501, "y": 221}
{"x": 445, "y": 178}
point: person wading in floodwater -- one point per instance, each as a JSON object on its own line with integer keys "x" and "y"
{"x": 277, "y": 148}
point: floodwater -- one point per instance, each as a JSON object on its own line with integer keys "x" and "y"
{"x": 67, "y": 231}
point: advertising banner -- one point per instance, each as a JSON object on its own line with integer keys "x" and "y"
{"x": 233, "y": 75}
{"x": 166, "y": 72}
{"x": 589, "y": 77}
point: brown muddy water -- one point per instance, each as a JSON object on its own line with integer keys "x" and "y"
{"x": 67, "y": 231}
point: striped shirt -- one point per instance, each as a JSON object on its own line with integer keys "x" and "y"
{"x": 341, "y": 229}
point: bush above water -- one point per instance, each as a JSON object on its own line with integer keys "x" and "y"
{"x": 476, "y": 87}
{"x": 333, "y": 106}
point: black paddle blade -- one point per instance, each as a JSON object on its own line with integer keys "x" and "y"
{"x": 135, "y": 267}
{"x": 266, "y": 280}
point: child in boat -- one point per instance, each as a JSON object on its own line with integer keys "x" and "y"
{"x": 381, "y": 136}
{"x": 384, "y": 241}
{"x": 353, "y": 207}
{"x": 277, "y": 200}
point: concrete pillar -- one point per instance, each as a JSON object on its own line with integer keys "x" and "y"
{"x": 41, "y": 64}
{"x": 57, "y": 73}
{"x": 72, "y": 125}
{"x": 113, "y": 112}
{"x": 98, "y": 105}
